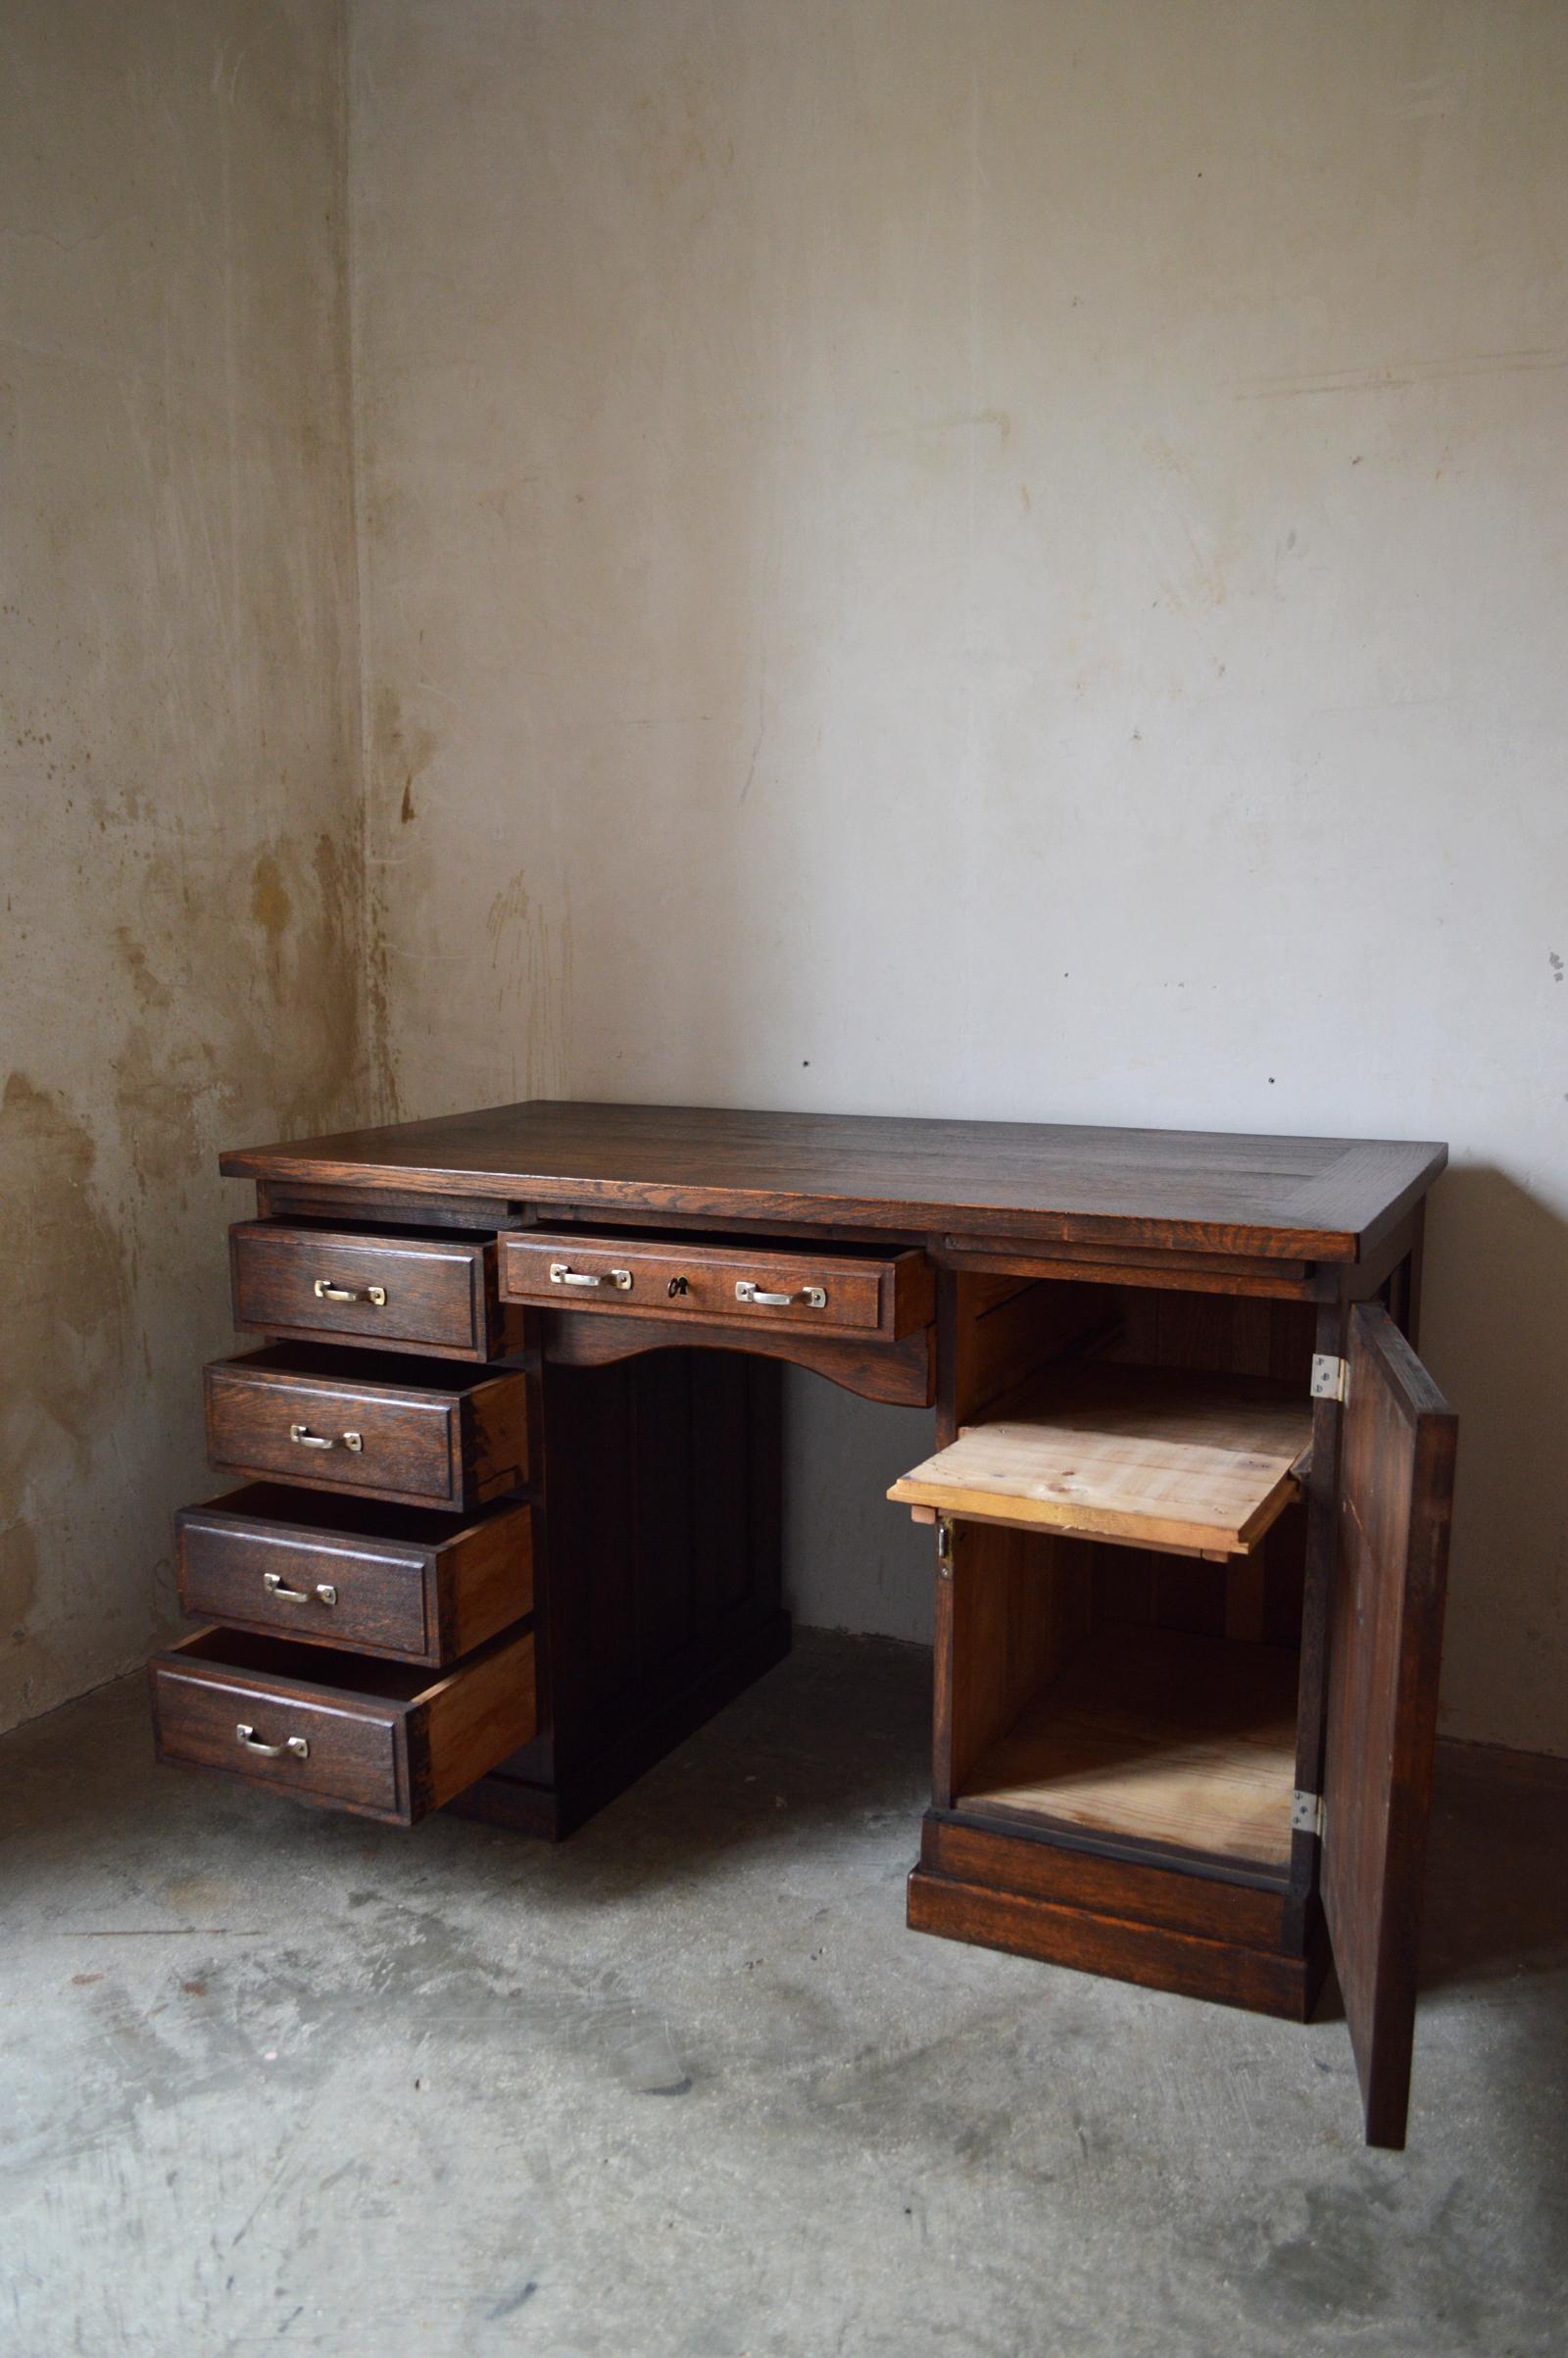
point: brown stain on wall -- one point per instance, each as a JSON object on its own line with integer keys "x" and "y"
{"x": 401, "y": 751}
{"x": 280, "y": 1045}
{"x": 270, "y": 905}
{"x": 64, "y": 1314}
{"x": 65, "y": 1297}
{"x": 378, "y": 1014}
{"x": 530, "y": 958}
{"x": 240, "y": 1016}
{"x": 184, "y": 918}
{"x": 145, "y": 984}
{"x": 19, "y": 1579}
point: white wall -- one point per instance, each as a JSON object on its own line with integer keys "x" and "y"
{"x": 181, "y": 877}
{"x": 995, "y": 560}
{"x": 999, "y": 558}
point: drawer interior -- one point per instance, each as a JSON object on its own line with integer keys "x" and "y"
{"x": 346, "y": 1365}
{"x": 340, "y": 1515}
{"x": 371, "y": 1232}
{"x": 583, "y": 1228}
{"x": 285, "y": 1658}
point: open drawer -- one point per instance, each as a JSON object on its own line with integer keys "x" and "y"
{"x": 385, "y": 1289}
{"x": 402, "y": 1581}
{"x": 835, "y": 1290}
{"x": 414, "y": 1432}
{"x": 1147, "y": 1457}
{"x": 382, "y": 1740}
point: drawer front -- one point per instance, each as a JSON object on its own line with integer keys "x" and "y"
{"x": 351, "y": 1573}
{"x": 347, "y": 1731}
{"x": 305, "y": 1584}
{"x": 350, "y": 1750}
{"x": 735, "y": 1285}
{"x": 389, "y": 1444}
{"x": 391, "y": 1293}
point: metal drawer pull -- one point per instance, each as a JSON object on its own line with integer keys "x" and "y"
{"x": 813, "y": 1296}
{"x": 562, "y": 1274}
{"x": 253, "y": 1744}
{"x": 326, "y": 1291}
{"x": 324, "y": 1440}
{"x": 323, "y": 1591}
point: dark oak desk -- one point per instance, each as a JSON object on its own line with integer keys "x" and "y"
{"x": 510, "y": 1519}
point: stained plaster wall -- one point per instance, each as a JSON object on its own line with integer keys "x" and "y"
{"x": 994, "y": 560}
{"x": 181, "y": 938}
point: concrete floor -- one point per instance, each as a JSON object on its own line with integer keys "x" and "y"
{"x": 274, "y": 2079}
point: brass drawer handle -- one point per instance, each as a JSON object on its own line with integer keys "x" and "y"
{"x": 813, "y": 1296}
{"x": 253, "y": 1744}
{"x": 326, "y": 1291}
{"x": 324, "y": 1440}
{"x": 323, "y": 1591}
{"x": 562, "y": 1274}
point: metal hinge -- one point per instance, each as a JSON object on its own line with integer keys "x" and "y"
{"x": 944, "y": 1547}
{"x": 1330, "y": 1377}
{"x": 1306, "y": 1814}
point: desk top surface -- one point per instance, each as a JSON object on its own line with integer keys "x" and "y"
{"x": 1302, "y": 1198}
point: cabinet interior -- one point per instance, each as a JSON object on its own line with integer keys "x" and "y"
{"x": 1145, "y": 1694}
{"x": 290, "y": 1658}
{"x": 1118, "y": 1701}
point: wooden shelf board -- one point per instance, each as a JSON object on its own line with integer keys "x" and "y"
{"x": 1148, "y": 1456}
{"x": 1160, "y": 1735}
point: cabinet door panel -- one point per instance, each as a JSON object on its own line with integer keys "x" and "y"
{"x": 1385, "y": 1648}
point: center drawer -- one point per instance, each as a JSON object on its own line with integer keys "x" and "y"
{"x": 379, "y": 1738}
{"x": 832, "y": 1290}
{"x": 415, "y": 1431}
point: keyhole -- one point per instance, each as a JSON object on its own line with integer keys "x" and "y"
{"x": 677, "y": 1285}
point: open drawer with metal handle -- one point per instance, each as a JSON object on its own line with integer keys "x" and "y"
{"x": 827, "y": 1289}
{"x": 412, "y": 1431}
{"x": 406, "y": 1581}
{"x": 388, "y": 1290}
{"x": 382, "y": 1740}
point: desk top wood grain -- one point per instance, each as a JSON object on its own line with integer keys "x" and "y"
{"x": 1297, "y": 1199}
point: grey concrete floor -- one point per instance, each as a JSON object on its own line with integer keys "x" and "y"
{"x": 271, "y": 2078}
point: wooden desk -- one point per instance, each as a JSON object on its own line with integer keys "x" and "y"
{"x": 510, "y": 1526}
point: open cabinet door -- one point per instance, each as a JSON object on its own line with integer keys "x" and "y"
{"x": 1385, "y": 1648}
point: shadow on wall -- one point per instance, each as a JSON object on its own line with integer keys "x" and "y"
{"x": 1496, "y": 1871}
{"x": 1494, "y": 1334}
{"x": 851, "y": 1561}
